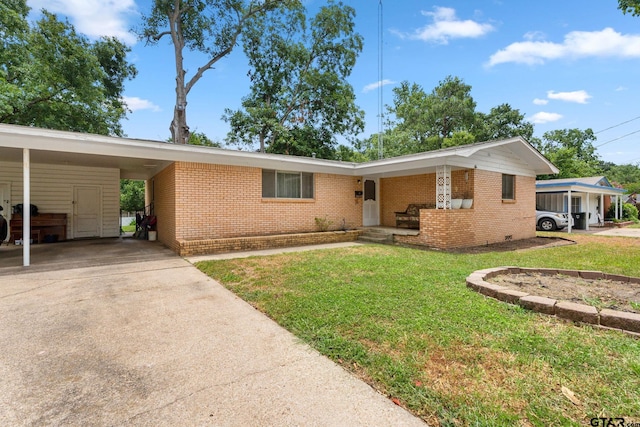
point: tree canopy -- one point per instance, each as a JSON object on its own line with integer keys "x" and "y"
{"x": 206, "y": 27}
{"x": 430, "y": 119}
{"x": 443, "y": 118}
{"x": 629, "y": 6}
{"x": 571, "y": 150}
{"x": 299, "y": 98}
{"x": 51, "y": 77}
{"x": 131, "y": 195}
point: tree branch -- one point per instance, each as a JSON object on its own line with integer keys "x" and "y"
{"x": 158, "y": 36}
{"x": 232, "y": 42}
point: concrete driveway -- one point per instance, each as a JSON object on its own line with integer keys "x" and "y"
{"x": 156, "y": 342}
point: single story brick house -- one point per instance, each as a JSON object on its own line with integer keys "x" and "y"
{"x": 211, "y": 199}
{"x": 590, "y": 196}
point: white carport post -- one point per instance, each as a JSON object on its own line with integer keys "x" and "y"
{"x": 588, "y": 212}
{"x": 601, "y": 209}
{"x": 26, "y": 207}
{"x": 569, "y": 211}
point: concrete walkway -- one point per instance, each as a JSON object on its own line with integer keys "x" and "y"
{"x": 156, "y": 342}
{"x": 620, "y": 232}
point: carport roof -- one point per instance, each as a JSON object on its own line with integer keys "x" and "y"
{"x": 593, "y": 184}
{"x": 142, "y": 159}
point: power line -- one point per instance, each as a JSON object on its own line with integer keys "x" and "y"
{"x": 619, "y": 124}
{"x": 380, "y": 83}
{"x": 618, "y": 138}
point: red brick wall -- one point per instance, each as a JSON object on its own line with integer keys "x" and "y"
{"x": 396, "y": 193}
{"x": 499, "y": 219}
{"x": 217, "y": 201}
{"x": 490, "y": 220}
{"x": 196, "y": 201}
{"x": 164, "y": 190}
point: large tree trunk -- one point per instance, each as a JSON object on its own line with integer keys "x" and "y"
{"x": 179, "y": 129}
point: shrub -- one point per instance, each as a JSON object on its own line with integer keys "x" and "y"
{"x": 323, "y": 224}
{"x": 629, "y": 212}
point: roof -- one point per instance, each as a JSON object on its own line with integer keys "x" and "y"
{"x": 593, "y": 184}
{"x": 142, "y": 159}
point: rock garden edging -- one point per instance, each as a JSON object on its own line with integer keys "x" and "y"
{"x": 613, "y": 319}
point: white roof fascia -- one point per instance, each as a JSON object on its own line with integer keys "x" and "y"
{"x": 13, "y": 136}
{"x": 73, "y": 142}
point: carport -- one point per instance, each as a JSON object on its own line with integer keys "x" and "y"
{"x": 591, "y": 196}
{"x": 89, "y": 158}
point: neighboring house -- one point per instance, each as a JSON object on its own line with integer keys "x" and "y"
{"x": 210, "y": 199}
{"x": 590, "y": 197}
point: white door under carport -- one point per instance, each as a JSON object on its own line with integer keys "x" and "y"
{"x": 87, "y": 209}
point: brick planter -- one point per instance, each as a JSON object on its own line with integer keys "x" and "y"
{"x": 212, "y": 246}
{"x": 628, "y": 322}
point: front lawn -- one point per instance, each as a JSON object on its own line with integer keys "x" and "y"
{"x": 404, "y": 321}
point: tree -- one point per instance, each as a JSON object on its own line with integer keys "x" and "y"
{"x": 502, "y": 122}
{"x": 52, "y": 77}
{"x": 430, "y": 119}
{"x": 571, "y": 150}
{"x": 300, "y": 98}
{"x": 396, "y": 142}
{"x": 210, "y": 27}
{"x": 199, "y": 138}
{"x": 629, "y": 6}
{"x": 450, "y": 108}
{"x": 131, "y": 195}
{"x": 410, "y": 130}
{"x": 627, "y": 176}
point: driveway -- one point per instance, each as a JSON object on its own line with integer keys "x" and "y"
{"x": 156, "y": 342}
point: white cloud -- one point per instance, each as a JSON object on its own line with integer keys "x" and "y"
{"x": 446, "y": 26}
{"x": 134, "y": 103}
{"x": 544, "y": 117}
{"x": 376, "y": 85}
{"x": 534, "y": 35}
{"x": 94, "y": 18}
{"x": 578, "y": 96}
{"x": 539, "y": 101}
{"x": 576, "y": 44}
{"x": 621, "y": 88}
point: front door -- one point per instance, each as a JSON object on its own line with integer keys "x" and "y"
{"x": 370, "y": 206}
{"x": 5, "y": 202}
{"x": 87, "y": 217}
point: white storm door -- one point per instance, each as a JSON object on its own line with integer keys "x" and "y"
{"x": 371, "y": 205}
{"x": 87, "y": 211}
{"x": 5, "y": 202}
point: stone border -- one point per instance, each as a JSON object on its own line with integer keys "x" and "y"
{"x": 606, "y": 318}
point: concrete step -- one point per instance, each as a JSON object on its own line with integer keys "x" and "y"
{"x": 376, "y": 236}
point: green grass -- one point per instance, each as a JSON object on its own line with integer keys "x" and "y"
{"x": 129, "y": 228}
{"x": 404, "y": 321}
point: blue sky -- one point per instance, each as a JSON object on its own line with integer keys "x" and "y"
{"x": 567, "y": 64}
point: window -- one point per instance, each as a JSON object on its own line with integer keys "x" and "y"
{"x": 287, "y": 185}
{"x": 508, "y": 187}
{"x": 576, "y": 204}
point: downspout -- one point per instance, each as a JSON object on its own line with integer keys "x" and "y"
{"x": 26, "y": 208}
